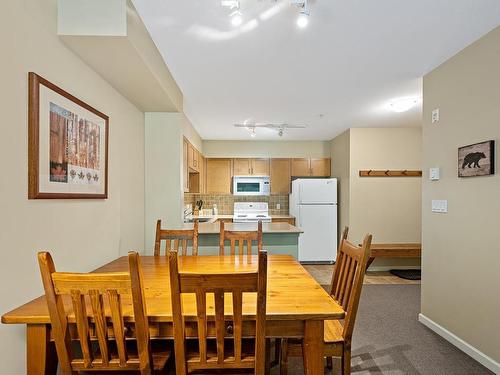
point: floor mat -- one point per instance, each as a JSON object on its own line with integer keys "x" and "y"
{"x": 407, "y": 274}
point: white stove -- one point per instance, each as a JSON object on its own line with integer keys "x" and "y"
{"x": 251, "y": 212}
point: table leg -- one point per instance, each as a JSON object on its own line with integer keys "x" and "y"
{"x": 313, "y": 347}
{"x": 41, "y": 353}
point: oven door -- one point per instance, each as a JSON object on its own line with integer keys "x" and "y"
{"x": 250, "y": 186}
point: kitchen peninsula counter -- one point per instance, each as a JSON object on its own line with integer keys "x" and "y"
{"x": 214, "y": 228}
{"x": 277, "y": 238}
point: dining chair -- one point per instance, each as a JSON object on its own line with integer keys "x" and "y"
{"x": 221, "y": 343}
{"x": 105, "y": 342}
{"x": 176, "y": 239}
{"x": 239, "y": 238}
{"x": 345, "y": 289}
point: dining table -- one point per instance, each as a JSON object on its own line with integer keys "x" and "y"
{"x": 297, "y": 306}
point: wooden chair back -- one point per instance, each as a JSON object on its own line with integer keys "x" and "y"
{"x": 100, "y": 294}
{"x": 239, "y": 238}
{"x": 347, "y": 278}
{"x": 219, "y": 286}
{"x": 176, "y": 239}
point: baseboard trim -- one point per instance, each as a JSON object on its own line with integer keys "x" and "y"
{"x": 388, "y": 268}
{"x": 464, "y": 346}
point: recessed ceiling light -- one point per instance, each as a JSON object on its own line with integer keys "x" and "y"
{"x": 236, "y": 20}
{"x": 302, "y": 20}
{"x": 403, "y": 104}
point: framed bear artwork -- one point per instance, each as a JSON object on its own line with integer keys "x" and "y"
{"x": 477, "y": 159}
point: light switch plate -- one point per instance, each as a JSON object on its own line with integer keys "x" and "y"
{"x": 434, "y": 174}
{"x": 278, "y": 206}
{"x": 435, "y": 115}
{"x": 439, "y": 205}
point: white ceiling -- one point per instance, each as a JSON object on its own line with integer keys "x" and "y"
{"x": 354, "y": 57}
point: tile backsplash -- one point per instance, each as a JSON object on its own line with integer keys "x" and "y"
{"x": 225, "y": 202}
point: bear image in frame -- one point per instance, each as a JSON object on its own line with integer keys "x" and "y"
{"x": 477, "y": 159}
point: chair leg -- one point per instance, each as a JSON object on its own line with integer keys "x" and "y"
{"x": 277, "y": 351}
{"x": 346, "y": 361}
{"x": 329, "y": 362}
{"x": 268, "y": 357}
{"x": 284, "y": 357}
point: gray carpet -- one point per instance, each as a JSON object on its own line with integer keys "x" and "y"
{"x": 388, "y": 339}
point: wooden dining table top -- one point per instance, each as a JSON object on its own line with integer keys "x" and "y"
{"x": 292, "y": 293}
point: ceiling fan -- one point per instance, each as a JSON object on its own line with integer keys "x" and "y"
{"x": 280, "y": 128}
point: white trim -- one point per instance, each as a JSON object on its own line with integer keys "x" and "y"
{"x": 388, "y": 268}
{"x": 464, "y": 346}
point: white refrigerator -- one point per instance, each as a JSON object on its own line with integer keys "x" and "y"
{"x": 313, "y": 202}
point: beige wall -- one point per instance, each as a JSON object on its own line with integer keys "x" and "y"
{"x": 81, "y": 234}
{"x": 191, "y": 134}
{"x": 461, "y": 251}
{"x": 388, "y": 208}
{"x": 273, "y": 149}
{"x": 164, "y": 170}
{"x": 340, "y": 155}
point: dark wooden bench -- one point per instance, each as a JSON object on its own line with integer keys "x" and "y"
{"x": 394, "y": 250}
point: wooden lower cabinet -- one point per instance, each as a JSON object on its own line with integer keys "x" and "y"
{"x": 218, "y": 175}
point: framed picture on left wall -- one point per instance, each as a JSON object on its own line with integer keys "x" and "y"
{"x": 68, "y": 145}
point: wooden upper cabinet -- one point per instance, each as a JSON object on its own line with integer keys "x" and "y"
{"x": 301, "y": 167}
{"x": 260, "y": 167}
{"x": 203, "y": 175}
{"x": 320, "y": 167}
{"x": 185, "y": 168}
{"x": 218, "y": 172}
{"x": 242, "y": 167}
{"x": 193, "y": 158}
{"x": 280, "y": 176}
{"x": 249, "y": 167}
{"x": 317, "y": 167}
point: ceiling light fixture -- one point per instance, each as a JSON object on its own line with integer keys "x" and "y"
{"x": 404, "y": 104}
{"x": 302, "y": 20}
{"x": 236, "y": 20}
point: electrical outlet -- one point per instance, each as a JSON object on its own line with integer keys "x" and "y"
{"x": 435, "y": 116}
{"x": 278, "y": 206}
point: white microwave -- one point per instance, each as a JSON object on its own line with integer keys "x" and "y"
{"x": 251, "y": 185}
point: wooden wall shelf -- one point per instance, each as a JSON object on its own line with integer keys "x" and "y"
{"x": 390, "y": 173}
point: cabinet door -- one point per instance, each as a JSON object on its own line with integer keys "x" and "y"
{"x": 196, "y": 160}
{"x": 185, "y": 168}
{"x": 280, "y": 176}
{"x": 320, "y": 167}
{"x": 260, "y": 167}
{"x": 192, "y": 157}
{"x": 242, "y": 167}
{"x": 301, "y": 167}
{"x": 203, "y": 174}
{"x": 218, "y": 176}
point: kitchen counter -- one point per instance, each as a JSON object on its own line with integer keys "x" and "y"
{"x": 277, "y": 238}
{"x": 214, "y": 218}
{"x": 214, "y": 228}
